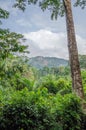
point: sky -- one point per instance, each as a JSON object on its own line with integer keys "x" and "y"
{"x": 44, "y": 36}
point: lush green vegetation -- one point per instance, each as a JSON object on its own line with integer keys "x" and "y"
{"x": 38, "y": 110}
{"x": 29, "y": 101}
{"x": 33, "y": 99}
{"x": 36, "y": 99}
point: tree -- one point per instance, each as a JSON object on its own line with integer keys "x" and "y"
{"x": 73, "y": 52}
{"x": 61, "y": 7}
{"x": 11, "y": 42}
{"x": 81, "y": 3}
{"x": 11, "y": 45}
{"x": 3, "y": 14}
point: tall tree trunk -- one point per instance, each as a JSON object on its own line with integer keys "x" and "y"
{"x": 73, "y": 51}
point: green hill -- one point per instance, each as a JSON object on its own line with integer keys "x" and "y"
{"x": 40, "y": 62}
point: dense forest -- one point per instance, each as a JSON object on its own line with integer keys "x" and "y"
{"x": 34, "y": 97}
{"x": 38, "y": 99}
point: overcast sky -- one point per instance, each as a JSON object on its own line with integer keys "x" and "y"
{"x": 44, "y": 36}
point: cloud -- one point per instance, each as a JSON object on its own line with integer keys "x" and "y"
{"x": 46, "y": 39}
{"x": 47, "y": 43}
{"x": 81, "y": 42}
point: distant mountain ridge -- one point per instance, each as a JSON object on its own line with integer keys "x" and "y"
{"x": 39, "y": 62}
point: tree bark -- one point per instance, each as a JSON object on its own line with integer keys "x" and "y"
{"x": 73, "y": 51}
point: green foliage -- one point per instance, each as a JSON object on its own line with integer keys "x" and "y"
{"x": 54, "y": 85}
{"x": 21, "y": 4}
{"x": 3, "y": 14}
{"x": 26, "y": 110}
{"x": 68, "y": 112}
{"x": 82, "y": 59}
{"x": 63, "y": 86}
{"x": 45, "y": 82}
{"x": 83, "y": 73}
{"x": 56, "y": 7}
{"x": 81, "y": 3}
{"x": 38, "y": 110}
{"x": 50, "y": 105}
{"x": 15, "y": 72}
{"x": 10, "y": 42}
{"x": 57, "y": 71}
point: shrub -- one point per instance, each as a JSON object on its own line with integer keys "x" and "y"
{"x": 63, "y": 86}
{"x": 39, "y": 110}
{"x": 26, "y": 111}
{"x": 47, "y": 82}
{"x": 54, "y": 85}
{"x": 68, "y": 112}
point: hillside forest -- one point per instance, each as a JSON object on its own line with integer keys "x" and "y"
{"x": 37, "y": 93}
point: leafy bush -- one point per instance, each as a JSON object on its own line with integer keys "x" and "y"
{"x": 16, "y": 73}
{"x": 68, "y": 112}
{"x": 27, "y": 111}
{"x": 39, "y": 110}
{"x": 63, "y": 86}
{"x": 47, "y": 82}
{"x": 54, "y": 85}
